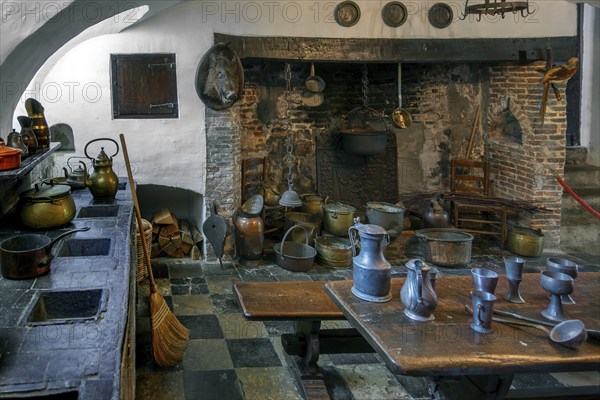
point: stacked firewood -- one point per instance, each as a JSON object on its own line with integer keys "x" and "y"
{"x": 174, "y": 237}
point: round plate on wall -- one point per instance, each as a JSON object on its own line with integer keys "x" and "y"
{"x": 347, "y": 13}
{"x": 394, "y": 14}
{"x": 440, "y": 15}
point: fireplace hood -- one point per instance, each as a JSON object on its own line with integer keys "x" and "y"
{"x": 400, "y": 50}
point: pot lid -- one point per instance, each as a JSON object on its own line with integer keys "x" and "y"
{"x": 52, "y": 192}
{"x": 6, "y": 151}
{"x": 385, "y": 207}
{"x": 370, "y": 229}
{"x": 339, "y": 208}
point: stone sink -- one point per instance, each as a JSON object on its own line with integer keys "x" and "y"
{"x": 85, "y": 247}
{"x": 60, "y": 306}
{"x": 99, "y": 211}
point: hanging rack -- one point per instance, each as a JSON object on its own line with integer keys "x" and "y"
{"x": 496, "y": 7}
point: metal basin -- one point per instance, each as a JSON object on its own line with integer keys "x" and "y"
{"x": 85, "y": 247}
{"x": 101, "y": 211}
{"x": 58, "y": 306}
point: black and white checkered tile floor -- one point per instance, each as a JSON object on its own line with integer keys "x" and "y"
{"x": 230, "y": 358}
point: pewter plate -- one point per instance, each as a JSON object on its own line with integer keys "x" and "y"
{"x": 440, "y": 15}
{"x": 347, "y": 13}
{"x": 394, "y": 14}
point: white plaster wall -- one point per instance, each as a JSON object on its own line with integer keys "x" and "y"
{"x": 21, "y": 18}
{"x": 172, "y": 152}
{"x": 590, "y": 104}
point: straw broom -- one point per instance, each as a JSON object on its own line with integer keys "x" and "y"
{"x": 169, "y": 336}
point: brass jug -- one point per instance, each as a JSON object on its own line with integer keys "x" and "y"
{"x": 35, "y": 110}
{"x": 27, "y": 134}
{"x": 103, "y": 182}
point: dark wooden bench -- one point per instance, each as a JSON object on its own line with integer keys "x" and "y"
{"x": 306, "y": 304}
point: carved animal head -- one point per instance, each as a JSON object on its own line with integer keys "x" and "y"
{"x": 220, "y": 78}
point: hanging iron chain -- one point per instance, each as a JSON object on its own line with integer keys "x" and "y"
{"x": 365, "y": 87}
{"x": 289, "y": 146}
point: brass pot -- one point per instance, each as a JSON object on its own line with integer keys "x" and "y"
{"x": 48, "y": 207}
{"x": 338, "y": 218}
{"x": 313, "y": 204}
{"x": 525, "y": 242}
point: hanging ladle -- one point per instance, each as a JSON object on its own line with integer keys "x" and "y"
{"x": 400, "y": 116}
{"x": 570, "y": 333}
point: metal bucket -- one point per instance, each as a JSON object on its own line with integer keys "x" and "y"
{"x": 333, "y": 252}
{"x": 446, "y": 247}
{"x": 295, "y": 257}
{"x": 387, "y": 215}
{"x": 525, "y": 242}
{"x": 310, "y": 222}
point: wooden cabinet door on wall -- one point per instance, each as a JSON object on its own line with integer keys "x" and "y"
{"x": 144, "y": 86}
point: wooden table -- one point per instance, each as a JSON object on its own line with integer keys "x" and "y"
{"x": 447, "y": 347}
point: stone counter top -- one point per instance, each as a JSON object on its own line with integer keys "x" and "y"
{"x": 64, "y": 331}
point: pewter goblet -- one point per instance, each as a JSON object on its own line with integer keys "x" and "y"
{"x": 484, "y": 280}
{"x": 557, "y": 284}
{"x": 514, "y": 273}
{"x": 566, "y": 267}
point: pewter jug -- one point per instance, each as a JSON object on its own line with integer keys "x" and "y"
{"x": 417, "y": 295}
{"x": 103, "y": 182}
{"x": 370, "y": 269}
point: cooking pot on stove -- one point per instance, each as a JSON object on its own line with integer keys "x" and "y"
{"x": 44, "y": 207}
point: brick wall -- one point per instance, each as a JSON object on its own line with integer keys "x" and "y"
{"x": 222, "y": 167}
{"x": 524, "y": 167}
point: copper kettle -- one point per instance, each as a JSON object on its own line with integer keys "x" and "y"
{"x": 103, "y": 182}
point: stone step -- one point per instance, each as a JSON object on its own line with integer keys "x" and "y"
{"x": 582, "y": 176}
{"x": 570, "y": 206}
{"x": 580, "y": 232}
{"x": 576, "y": 155}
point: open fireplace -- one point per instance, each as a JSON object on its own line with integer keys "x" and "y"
{"x": 442, "y": 91}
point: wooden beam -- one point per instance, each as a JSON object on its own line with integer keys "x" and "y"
{"x": 400, "y": 50}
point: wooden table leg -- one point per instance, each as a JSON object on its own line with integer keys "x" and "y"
{"x": 470, "y": 387}
{"x": 305, "y": 370}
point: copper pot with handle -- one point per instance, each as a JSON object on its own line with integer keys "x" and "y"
{"x": 28, "y": 256}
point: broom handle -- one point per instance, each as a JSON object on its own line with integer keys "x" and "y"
{"x": 138, "y": 215}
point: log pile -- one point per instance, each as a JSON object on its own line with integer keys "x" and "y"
{"x": 173, "y": 237}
